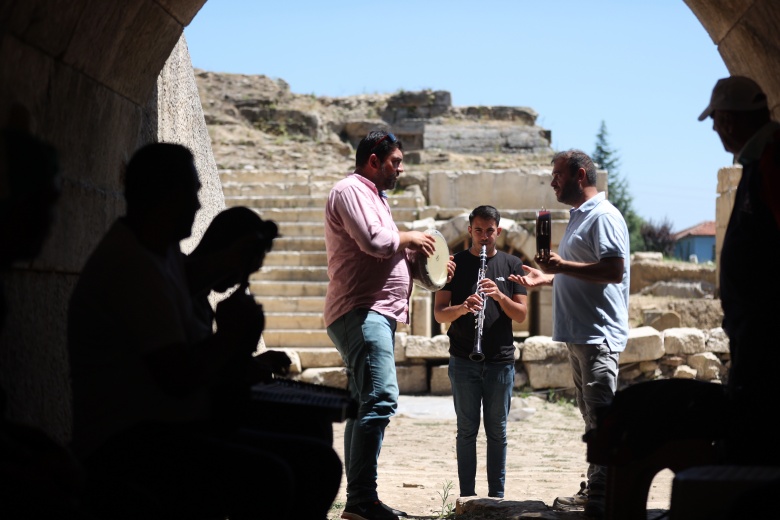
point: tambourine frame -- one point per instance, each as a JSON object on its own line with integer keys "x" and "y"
{"x": 430, "y": 273}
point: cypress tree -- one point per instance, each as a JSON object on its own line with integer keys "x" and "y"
{"x": 618, "y": 193}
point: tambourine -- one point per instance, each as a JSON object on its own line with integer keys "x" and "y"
{"x": 430, "y": 272}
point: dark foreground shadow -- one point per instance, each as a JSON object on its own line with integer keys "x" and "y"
{"x": 496, "y": 509}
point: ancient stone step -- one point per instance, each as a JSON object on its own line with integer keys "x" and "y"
{"x": 249, "y": 176}
{"x": 280, "y": 273}
{"x": 261, "y": 289}
{"x": 272, "y": 189}
{"x": 280, "y": 215}
{"x": 263, "y": 202}
{"x": 312, "y": 201}
{"x": 293, "y": 320}
{"x": 301, "y": 229}
{"x": 264, "y": 190}
{"x": 317, "y": 214}
{"x": 292, "y": 338}
{"x": 299, "y": 243}
{"x": 404, "y": 215}
{"x": 293, "y": 258}
{"x": 286, "y": 304}
{"x": 316, "y": 357}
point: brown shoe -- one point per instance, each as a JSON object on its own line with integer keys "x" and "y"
{"x": 576, "y": 502}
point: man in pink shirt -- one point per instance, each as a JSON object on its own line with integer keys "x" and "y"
{"x": 370, "y": 284}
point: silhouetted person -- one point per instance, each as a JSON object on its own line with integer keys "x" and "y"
{"x": 29, "y": 190}
{"x": 142, "y": 372}
{"x": 741, "y": 118}
{"x": 232, "y": 248}
{"x": 39, "y": 478}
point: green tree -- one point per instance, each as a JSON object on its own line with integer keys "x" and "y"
{"x": 607, "y": 159}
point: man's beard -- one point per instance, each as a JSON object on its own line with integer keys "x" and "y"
{"x": 389, "y": 179}
{"x": 570, "y": 194}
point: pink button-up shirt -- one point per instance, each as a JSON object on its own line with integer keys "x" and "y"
{"x": 365, "y": 266}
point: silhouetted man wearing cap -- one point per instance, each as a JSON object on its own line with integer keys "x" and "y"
{"x": 741, "y": 118}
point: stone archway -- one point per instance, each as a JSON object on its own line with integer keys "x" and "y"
{"x": 88, "y": 72}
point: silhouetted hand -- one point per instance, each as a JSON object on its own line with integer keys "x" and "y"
{"x": 276, "y": 361}
{"x": 268, "y": 364}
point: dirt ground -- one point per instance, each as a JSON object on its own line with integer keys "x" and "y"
{"x": 545, "y": 459}
{"x": 545, "y": 456}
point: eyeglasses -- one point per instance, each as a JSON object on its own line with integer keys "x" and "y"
{"x": 390, "y": 137}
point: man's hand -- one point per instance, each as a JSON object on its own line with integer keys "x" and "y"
{"x": 490, "y": 289}
{"x": 551, "y": 264}
{"x": 533, "y": 278}
{"x": 276, "y": 361}
{"x": 418, "y": 241}
{"x": 472, "y": 304}
{"x": 450, "y": 268}
{"x": 266, "y": 365}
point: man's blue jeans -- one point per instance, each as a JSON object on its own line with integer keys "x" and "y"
{"x": 488, "y": 386}
{"x": 366, "y": 340}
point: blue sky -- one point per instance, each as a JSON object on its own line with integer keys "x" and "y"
{"x": 646, "y": 68}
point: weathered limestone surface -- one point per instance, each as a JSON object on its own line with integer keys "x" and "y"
{"x": 544, "y": 364}
{"x": 645, "y": 273}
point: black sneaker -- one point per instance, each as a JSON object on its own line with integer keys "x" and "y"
{"x": 375, "y": 510}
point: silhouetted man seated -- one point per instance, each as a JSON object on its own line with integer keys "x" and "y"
{"x": 232, "y": 248}
{"x": 143, "y": 371}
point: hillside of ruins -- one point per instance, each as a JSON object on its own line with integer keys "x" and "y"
{"x": 257, "y": 126}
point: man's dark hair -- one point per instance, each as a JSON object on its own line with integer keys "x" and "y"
{"x": 156, "y": 171}
{"x": 577, "y": 159}
{"x": 485, "y": 212}
{"x": 376, "y": 142}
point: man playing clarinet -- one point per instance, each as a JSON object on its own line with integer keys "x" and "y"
{"x": 482, "y": 369}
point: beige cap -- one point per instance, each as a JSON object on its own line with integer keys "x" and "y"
{"x": 736, "y": 93}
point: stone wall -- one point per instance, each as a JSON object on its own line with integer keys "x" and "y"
{"x": 649, "y": 269}
{"x": 33, "y": 352}
{"x": 541, "y": 363}
{"x": 728, "y": 179}
{"x": 485, "y": 138}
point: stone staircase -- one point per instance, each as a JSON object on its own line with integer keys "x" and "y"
{"x": 292, "y": 283}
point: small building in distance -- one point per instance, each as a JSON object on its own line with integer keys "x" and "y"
{"x": 696, "y": 243}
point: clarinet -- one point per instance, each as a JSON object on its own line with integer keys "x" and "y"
{"x": 476, "y": 354}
